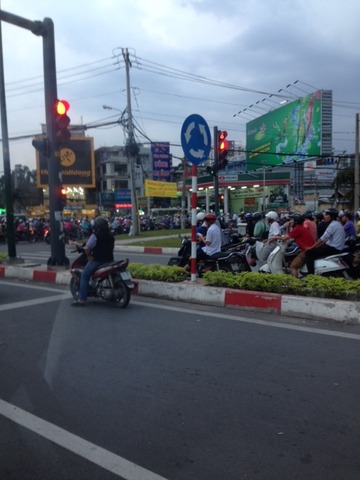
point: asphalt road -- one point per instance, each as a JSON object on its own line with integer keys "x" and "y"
{"x": 162, "y": 390}
{"x": 39, "y": 252}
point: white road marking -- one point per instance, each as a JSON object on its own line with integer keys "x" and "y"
{"x": 34, "y": 302}
{"x": 267, "y": 323}
{"x": 91, "y": 452}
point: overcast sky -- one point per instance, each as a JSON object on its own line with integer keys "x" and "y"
{"x": 186, "y": 54}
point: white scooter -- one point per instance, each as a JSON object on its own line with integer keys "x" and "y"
{"x": 332, "y": 266}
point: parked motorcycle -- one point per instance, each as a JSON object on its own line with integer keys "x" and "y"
{"x": 339, "y": 265}
{"x": 111, "y": 281}
{"x": 231, "y": 261}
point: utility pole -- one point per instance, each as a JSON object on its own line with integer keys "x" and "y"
{"x": 6, "y": 160}
{"x": 356, "y": 166}
{"x": 132, "y": 148}
{"x": 45, "y": 29}
{"x": 216, "y": 165}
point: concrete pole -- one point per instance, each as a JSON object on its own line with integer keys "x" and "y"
{"x": 356, "y": 166}
{"x": 131, "y": 148}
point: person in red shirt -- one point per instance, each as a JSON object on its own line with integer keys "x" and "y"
{"x": 302, "y": 237}
{"x": 310, "y": 223}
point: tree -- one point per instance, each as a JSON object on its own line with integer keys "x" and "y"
{"x": 25, "y": 192}
{"x": 344, "y": 180}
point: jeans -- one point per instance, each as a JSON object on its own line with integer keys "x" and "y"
{"x": 89, "y": 269}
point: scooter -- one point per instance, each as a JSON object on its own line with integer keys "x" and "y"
{"x": 339, "y": 265}
{"x": 111, "y": 281}
{"x": 227, "y": 261}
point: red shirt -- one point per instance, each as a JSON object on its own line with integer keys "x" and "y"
{"x": 302, "y": 236}
{"x": 311, "y": 225}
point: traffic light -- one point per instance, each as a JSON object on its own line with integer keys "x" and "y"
{"x": 62, "y": 197}
{"x": 41, "y": 144}
{"x": 211, "y": 171}
{"x": 62, "y": 121}
{"x": 222, "y": 149}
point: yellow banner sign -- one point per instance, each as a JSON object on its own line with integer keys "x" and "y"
{"x": 160, "y": 189}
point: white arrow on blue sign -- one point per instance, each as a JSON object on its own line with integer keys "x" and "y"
{"x": 196, "y": 139}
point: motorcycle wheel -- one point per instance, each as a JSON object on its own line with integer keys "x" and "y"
{"x": 74, "y": 288}
{"x": 47, "y": 239}
{"x": 122, "y": 302}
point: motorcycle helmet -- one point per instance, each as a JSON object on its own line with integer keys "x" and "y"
{"x": 210, "y": 217}
{"x": 298, "y": 218}
{"x": 332, "y": 212}
{"x": 257, "y": 216}
{"x": 200, "y": 216}
{"x": 309, "y": 215}
{"x": 100, "y": 223}
{"x": 272, "y": 215}
{"x": 248, "y": 216}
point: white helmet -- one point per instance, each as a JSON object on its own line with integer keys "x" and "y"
{"x": 200, "y": 216}
{"x": 272, "y": 215}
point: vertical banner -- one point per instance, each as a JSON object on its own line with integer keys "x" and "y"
{"x": 161, "y": 161}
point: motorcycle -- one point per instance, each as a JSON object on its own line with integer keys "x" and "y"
{"x": 111, "y": 281}
{"x": 231, "y": 261}
{"x": 339, "y": 265}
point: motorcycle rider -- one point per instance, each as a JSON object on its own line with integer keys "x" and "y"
{"x": 330, "y": 243}
{"x": 302, "y": 237}
{"x": 310, "y": 223}
{"x": 212, "y": 240}
{"x": 261, "y": 228}
{"x": 274, "y": 230}
{"x": 99, "y": 250}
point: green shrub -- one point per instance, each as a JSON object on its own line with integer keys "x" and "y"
{"x": 161, "y": 273}
{"x": 311, "y": 286}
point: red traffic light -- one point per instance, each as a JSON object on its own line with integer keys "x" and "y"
{"x": 62, "y": 121}
{"x": 222, "y": 141}
{"x": 62, "y": 107}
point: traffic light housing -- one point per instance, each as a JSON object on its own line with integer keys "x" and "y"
{"x": 41, "y": 144}
{"x": 222, "y": 149}
{"x": 62, "y": 122}
{"x": 211, "y": 171}
{"x": 62, "y": 197}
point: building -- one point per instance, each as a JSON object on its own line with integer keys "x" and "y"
{"x": 113, "y": 177}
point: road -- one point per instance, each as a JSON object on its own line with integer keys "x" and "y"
{"x": 169, "y": 391}
{"x": 40, "y": 252}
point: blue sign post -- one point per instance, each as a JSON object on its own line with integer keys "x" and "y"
{"x": 196, "y": 139}
{"x": 196, "y": 143}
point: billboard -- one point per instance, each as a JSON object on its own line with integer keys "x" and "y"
{"x": 160, "y": 189}
{"x": 77, "y": 164}
{"x": 161, "y": 161}
{"x": 293, "y": 132}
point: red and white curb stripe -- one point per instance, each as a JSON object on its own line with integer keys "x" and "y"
{"x": 289, "y": 305}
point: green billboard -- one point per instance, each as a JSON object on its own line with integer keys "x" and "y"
{"x": 290, "y": 133}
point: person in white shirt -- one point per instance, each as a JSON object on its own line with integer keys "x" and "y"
{"x": 274, "y": 231}
{"x": 212, "y": 240}
{"x": 330, "y": 243}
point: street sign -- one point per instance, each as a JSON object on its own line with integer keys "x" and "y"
{"x": 196, "y": 139}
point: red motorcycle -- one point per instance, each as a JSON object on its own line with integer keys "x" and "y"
{"x": 111, "y": 281}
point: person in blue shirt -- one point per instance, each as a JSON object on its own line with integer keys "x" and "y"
{"x": 330, "y": 243}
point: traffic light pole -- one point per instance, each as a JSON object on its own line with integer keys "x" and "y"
{"x": 216, "y": 166}
{"x": 46, "y": 30}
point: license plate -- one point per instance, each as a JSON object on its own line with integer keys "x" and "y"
{"x": 125, "y": 275}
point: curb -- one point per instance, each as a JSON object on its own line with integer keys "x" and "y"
{"x": 153, "y": 250}
{"x": 339, "y": 311}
